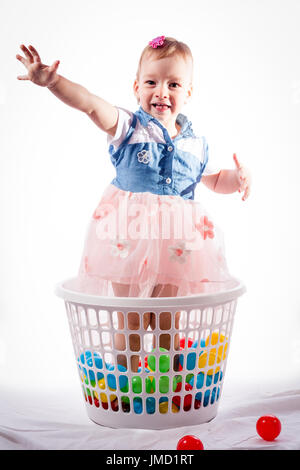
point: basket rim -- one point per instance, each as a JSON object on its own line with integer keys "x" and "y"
{"x": 204, "y": 299}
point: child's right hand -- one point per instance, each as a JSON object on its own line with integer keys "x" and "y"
{"x": 38, "y": 73}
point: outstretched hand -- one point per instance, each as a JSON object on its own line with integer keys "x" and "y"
{"x": 38, "y": 73}
{"x": 244, "y": 178}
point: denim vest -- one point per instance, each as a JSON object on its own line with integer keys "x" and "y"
{"x": 147, "y": 159}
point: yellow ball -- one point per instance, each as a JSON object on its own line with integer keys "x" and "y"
{"x": 103, "y": 397}
{"x": 163, "y": 407}
{"x": 101, "y": 384}
{"x": 212, "y": 359}
{"x": 214, "y": 339}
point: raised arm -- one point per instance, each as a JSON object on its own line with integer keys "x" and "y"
{"x": 102, "y": 113}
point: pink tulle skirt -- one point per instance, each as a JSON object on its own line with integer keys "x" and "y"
{"x": 146, "y": 245}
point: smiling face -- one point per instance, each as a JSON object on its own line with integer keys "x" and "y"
{"x": 163, "y": 88}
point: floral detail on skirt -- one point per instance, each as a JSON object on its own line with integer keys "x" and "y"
{"x": 179, "y": 252}
{"x": 120, "y": 248}
{"x": 100, "y": 212}
{"x": 154, "y": 252}
{"x": 205, "y": 227}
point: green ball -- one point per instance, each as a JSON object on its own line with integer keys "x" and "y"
{"x": 136, "y": 384}
{"x": 164, "y": 384}
{"x": 164, "y": 362}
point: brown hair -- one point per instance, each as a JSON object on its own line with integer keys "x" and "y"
{"x": 170, "y": 48}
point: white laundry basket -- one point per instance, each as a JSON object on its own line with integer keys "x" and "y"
{"x": 171, "y": 388}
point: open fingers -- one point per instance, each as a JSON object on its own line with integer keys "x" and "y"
{"x": 21, "y": 59}
{"x": 243, "y": 185}
{"x": 237, "y": 163}
{"x": 27, "y": 53}
{"x": 35, "y": 54}
{"x": 22, "y": 77}
{"x": 246, "y": 193}
{"x": 54, "y": 66}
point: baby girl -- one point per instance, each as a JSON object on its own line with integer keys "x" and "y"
{"x": 159, "y": 159}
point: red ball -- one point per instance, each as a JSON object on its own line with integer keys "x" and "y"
{"x": 182, "y": 343}
{"x": 189, "y": 443}
{"x": 268, "y": 427}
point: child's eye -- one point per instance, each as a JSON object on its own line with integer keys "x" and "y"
{"x": 150, "y": 82}
{"x": 175, "y": 85}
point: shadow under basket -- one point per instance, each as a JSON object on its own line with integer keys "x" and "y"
{"x": 145, "y": 386}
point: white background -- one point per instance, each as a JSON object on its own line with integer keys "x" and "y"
{"x": 55, "y": 166}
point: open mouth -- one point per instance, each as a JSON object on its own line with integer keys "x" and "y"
{"x": 161, "y": 107}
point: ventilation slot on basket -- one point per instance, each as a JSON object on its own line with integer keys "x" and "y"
{"x": 152, "y": 367}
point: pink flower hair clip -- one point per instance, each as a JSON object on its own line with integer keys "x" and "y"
{"x": 159, "y": 41}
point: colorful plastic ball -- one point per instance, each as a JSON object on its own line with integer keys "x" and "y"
{"x": 197, "y": 404}
{"x": 136, "y": 384}
{"x": 98, "y": 361}
{"x": 164, "y": 384}
{"x": 268, "y": 427}
{"x": 88, "y": 396}
{"x": 195, "y": 344}
{"x": 125, "y": 404}
{"x": 101, "y": 384}
{"x": 92, "y": 378}
{"x": 140, "y": 364}
{"x": 111, "y": 382}
{"x": 213, "y": 357}
{"x": 191, "y": 361}
{"x": 176, "y": 404}
{"x": 83, "y": 375}
{"x": 181, "y": 361}
{"x": 177, "y": 383}
{"x": 214, "y": 338}
{"x": 187, "y": 402}
{"x": 182, "y": 343}
{"x": 96, "y": 401}
{"x": 103, "y": 397}
{"x": 164, "y": 362}
{"x": 150, "y": 384}
{"x": 163, "y": 407}
{"x": 150, "y": 405}
{"x": 114, "y": 403}
{"x": 189, "y": 442}
{"x": 123, "y": 381}
{"x": 87, "y": 358}
{"x": 137, "y": 405}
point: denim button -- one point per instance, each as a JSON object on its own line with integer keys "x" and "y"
{"x": 168, "y": 180}
{"x": 170, "y": 148}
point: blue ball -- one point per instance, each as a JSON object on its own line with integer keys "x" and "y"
{"x": 191, "y": 361}
{"x": 111, "y": 382}
{"x": 123, "y": 380}
{"x": 98, "y": 361}
{"x": 150, "y": 405}
{"x": 87, "y": 358}
{"x": 138, "y": 405}
{"x": 195, "y": 344}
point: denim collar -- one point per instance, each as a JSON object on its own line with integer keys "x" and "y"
{"x": 182, "y": 120}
